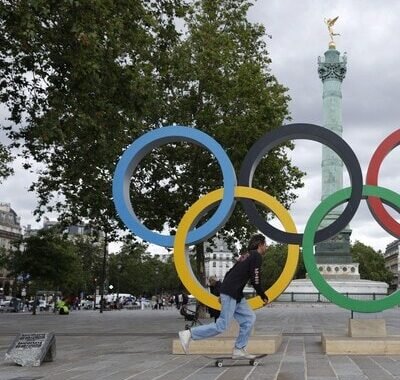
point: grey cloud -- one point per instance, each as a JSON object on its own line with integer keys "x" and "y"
{"x": 371, "y": 93}
{"x": 371, "y": 90}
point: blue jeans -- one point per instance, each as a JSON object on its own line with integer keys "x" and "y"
{"x": 230, "y": 309}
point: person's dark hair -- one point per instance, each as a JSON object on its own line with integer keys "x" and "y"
{"x": 243, "y": 250}
{"x": 255, "y": 241}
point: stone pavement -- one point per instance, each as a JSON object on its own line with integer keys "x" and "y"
{"x": 136, "y": 344}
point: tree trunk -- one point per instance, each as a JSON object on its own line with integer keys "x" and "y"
{"x": 103, "y": 274}
{"x": 34, "y": 305}
{"x": 201, "y": 272}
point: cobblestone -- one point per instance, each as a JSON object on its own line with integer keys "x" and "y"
{"x": 136, "y": 344}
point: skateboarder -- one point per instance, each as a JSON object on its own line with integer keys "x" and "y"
{"x": 233, "y": 303}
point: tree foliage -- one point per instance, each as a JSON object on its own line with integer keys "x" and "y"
{"x": 48, "y": 261}
{"x": 273, "y": 263}
{"x": 82, "y": 80}
{"x": 372, "y": 264}
{"x": 141, "y": 274}
{"x": 218, "y": 80}
{"x": 5, "y": 161}
{"x": 86, "y": 78}
{"x": 78, "y": 79}
{"x": 51, "y": 261}
{"x": 89, "y": 252}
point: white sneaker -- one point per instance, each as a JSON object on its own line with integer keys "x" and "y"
{"x": 184, "y": 337}
{"x": 241, "y": 353}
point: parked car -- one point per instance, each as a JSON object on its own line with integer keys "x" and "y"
{"x": 14, "y": 305}
{"x": 41, "y": 305}
{"x": 87, "y": 304}
{"x": 145, "y": 301}
{"x": 4, "y": 304}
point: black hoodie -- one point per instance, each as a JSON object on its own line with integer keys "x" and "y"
{"x": 246, "y": 268}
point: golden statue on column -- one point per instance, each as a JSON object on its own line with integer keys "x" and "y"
{"x": 330, "y": 22}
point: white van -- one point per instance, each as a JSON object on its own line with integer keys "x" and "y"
{"x": 112, "y": 297}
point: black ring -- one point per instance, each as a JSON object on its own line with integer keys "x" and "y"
{"x": 309, "y": 132}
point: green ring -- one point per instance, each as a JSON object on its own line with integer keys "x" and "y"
{"x": 318, "y": 280}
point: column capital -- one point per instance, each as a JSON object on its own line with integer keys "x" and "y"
{"x": 332, "y": 67}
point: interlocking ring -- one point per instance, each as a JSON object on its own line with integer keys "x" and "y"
{"x": 134, "y": 154}
{"x": 318, "y": 280}
{"x": 310, "y": 132}
{"x": 375, "y": 204}
{"x": 185, "y": 236}
{"x": 181, "y": 257}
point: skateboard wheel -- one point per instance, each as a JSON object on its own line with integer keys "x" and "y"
{"x": 253, "y": 362}
{"x": 218, "y": 363}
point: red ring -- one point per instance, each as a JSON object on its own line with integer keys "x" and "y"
{"x": 375, "y": 204}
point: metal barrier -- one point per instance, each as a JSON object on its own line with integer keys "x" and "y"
{"x": 318, "y": 297}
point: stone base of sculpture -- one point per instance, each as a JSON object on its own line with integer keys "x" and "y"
{"x": 364, "y": 337}
{"x": 304, "y": 289}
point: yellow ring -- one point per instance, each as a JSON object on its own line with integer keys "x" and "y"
{"x": 181, "y": 258}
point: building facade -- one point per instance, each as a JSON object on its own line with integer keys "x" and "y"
{"x": 73, "y": 232}
{"x": 10, "y": 231}
{"x": 218, "y": 258}
{"x": 392, "y": 261}
{"x": 161, "y": 256}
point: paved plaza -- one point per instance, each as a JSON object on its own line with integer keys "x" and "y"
{"x": 136, "y": 344}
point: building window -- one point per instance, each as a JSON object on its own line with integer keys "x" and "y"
{"x": 215, "y": 256}
{"x": 214, "y": 264}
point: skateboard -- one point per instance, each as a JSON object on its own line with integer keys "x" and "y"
{"x": 220, "y": 359}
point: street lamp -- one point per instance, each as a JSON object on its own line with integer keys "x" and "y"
{"x": 156, "y": 278}
{"x": 119, "y": 267}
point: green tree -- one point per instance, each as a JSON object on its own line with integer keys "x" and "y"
{"x": 273, "y": 263}
{"x": 139, "y": 273}
{"x": 79, "y": 80}
{"x": 137, "y": 270}
{"x": 49, "y": 261}
{"x": 219, "y": 81}
{"x": 84, "y": 79}
{"x": 79, "y": 77}
{"x": 90, "y": 254}
{"x": 5, "y": 160}
{"x": 372, "y": 263}
{"x": 170, "y": 280}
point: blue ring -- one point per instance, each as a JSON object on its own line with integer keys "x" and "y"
{"x": 135, "y": 153}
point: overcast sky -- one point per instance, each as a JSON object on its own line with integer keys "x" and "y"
{"x": 371, "y": 90}
{"x": 371, "y": 95}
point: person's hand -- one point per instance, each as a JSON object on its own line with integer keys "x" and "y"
{"x": 265, "y": 301}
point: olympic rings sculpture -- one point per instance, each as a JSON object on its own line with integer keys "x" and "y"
{"x": 226, "y": 197}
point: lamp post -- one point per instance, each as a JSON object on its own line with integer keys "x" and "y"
{"x": 103, "y": 273}
{"x": 95, "y": 293}
{"x": 119, "y": 267}
{"x": 156, "y": 280}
